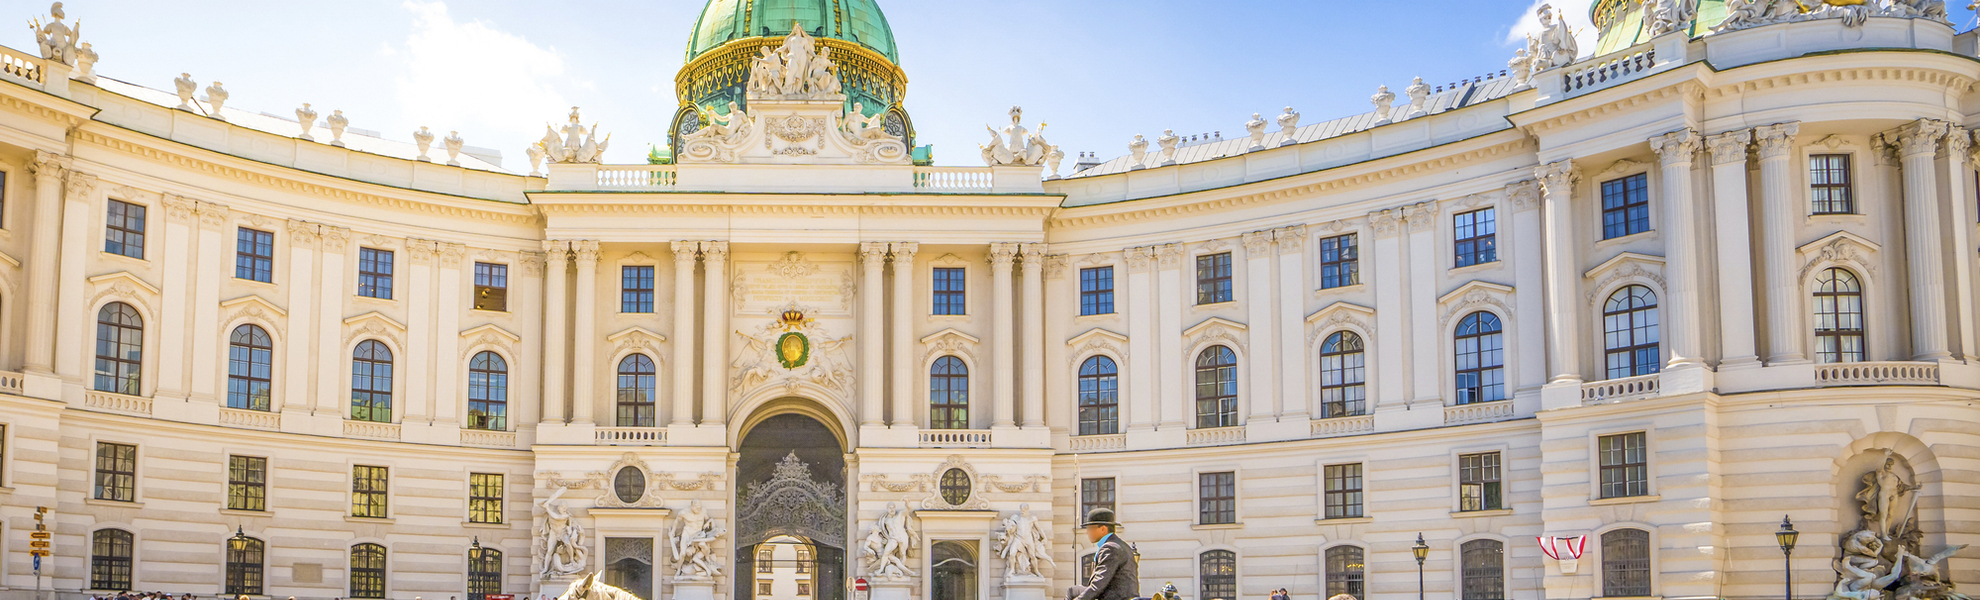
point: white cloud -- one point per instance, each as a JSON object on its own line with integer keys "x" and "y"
{"x": 495, "y": 87}
{"x": 1576, "y": 13}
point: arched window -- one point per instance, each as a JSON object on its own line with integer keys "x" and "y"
{"x": 1838, "y": 317}
{"x": 488, "y": 392}
{"x": 484, "y": 574}
{"x": 119, "y": 349}
{"x": 110, "y": 560}
{"x": 1216, "y": 388}
{"x": 367, "y": 571}
{"x": 1099, "y": 397}
{"x": 1217, "y": 575}
{"x": 636, "y": 391}
{"x": 1343, "y": 371}
{"x": 1344, "y": 571}
{"x": 1481, "y": 361}
{"x": 250, "y": 368}
{"x": 1629, "y": 332}
{"x": 1484, "y": 570}
{"x": 371, "y": 382}
{"x": 948, "y": 394}
{"x": 1626, "y": 563}
{"x": 244, "y": 566}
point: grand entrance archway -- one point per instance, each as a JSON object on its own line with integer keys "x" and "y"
{"x": 791, "y": 485}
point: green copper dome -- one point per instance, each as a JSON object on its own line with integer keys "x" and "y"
{"x": 857, "y": 21}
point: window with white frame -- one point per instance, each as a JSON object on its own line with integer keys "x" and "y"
{"x": 1838, "y": 317}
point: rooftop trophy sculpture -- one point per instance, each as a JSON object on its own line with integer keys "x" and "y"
{"x": 423, "y": 139}
{"x": 562, "y": 539}
{"x": 56, "y": 39}
{"x": 1385, "y": 102}
{"x": 694, "y": 558}
{"x": 337, "y": 122}
{"x": 1557, "y": 45}
{"x": 886, "y": 545}
{"x": 1138, "y": 152}
{"x": 1882, "y": 553}
{"x": 1289, "y": 125}
{"x": 216, "y": 95}
{"x": 306, "y": 117}
{"x": 1023, "y": 148}
{"x": 1256, "y": 127}
{"x": 1419, "y": 94}
{"x": 185, "y": 87}
{"x": 1168, "y": 142}
{"x": 576, "y": 145}
{"x": 1023, "y": 544}
{"x": 796, "y": 113}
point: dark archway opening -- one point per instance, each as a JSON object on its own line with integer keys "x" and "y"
{"x": 791, "y": 483}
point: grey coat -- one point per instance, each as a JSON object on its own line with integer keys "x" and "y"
{"x": 1115, "y": 574}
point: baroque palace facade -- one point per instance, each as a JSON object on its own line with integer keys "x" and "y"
{"x": 251, "y": 355}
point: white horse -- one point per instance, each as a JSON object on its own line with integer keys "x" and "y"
{"x": 589, "y": 588}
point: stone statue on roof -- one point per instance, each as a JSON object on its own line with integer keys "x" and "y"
{"x": 576, "y": 145}
{"x": 795, "y": 70}
{"x": 1016, "y": 145}
{"x": 1557, "y": 44}
{"x": 56, "y": 39}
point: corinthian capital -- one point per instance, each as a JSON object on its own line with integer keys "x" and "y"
{"x": 1729, "y": 147}
{"x": 685, "y": 252}
{"x": 557, "y": 252}
{"x": 1001, "y": 254}
{"x": 904, "y": 254}
{"x": 1557, "y": 179}
{"x": 1921, "y": 137}
{"x": 213, "y": 215}
{"x": 1291, "y": 238}
{"x": 1257, "y": 243}
{"x": 1055, "y": 265}
{"x": 1958, "y": 142}
{"x": 586, "y": 252}
{"x": 1676, "y": 147}
{"x": 1137, "y": 257}
{"x": 179, "y": 208}
{"x": 714, "y": 251}
{"x": 49, "y": 164}
{"x": 1171, "y": 254}
{"x": 302, "y": 233}
{"x": 872, "y": 253}
{"x": 81, "y": 185}
{"x": 1777, "y": 139}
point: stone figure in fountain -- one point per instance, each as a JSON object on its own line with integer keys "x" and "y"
{"x": 694, "y": 558}
{"x": 1016, "y": 145}
{"x": 576, "y": 145}
{"x": 887, "y": 544}
{"x": 563, "y": 539}
{"x": 1023, "y": 544}
{"x": 1883, "y": 552}
{"x": 56, "y": 39}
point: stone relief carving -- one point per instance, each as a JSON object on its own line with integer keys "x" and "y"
{"x": 768, "y": 357}
{"x": 935, "y": 501}
{"x": 649, "y": 496}
{"x": 994, "y": 483}
{"x": 1842, "y": 251}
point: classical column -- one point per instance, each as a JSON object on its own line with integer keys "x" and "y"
{"x": 1735, "y": 250}
{"x": 296, "y": 358}
{"x": 556, "y": 312}
{"x": 1425, "y": 358}
{"x": 905, "y": 368}
{"x": 419, "y": 358}
{"x": 72, "y": 316}
{"x": 1385, "y": 266}
{"x": 1917, "y": 143}
{"x": 1295, "y": 403}
{"x": 1263, "y": 400}
{"x": 450, "y": 368}
{"x": 1002, "y": 372}
{"x": 1780, "y": 210}
{"x": 332, "y": 355}
{"x": 685, "y": 253}
{"x": 1563, "y": 277}
{"x": 715, "y": 333}
{"x": 1177, "y": 408}
{"x": 180, "y": 223}
{"x": 1034, "y": 335}
{"x": 211, "y": 268}
{"x": 1058, "y": 406}
{"x": 1680, "y": 306}
{"x": 40, "y": 316}
{"x": 872, "y": 256}
{"x": 584, "y": 338}
{"x": 1529, "y": 280}
{"x": 1959, "y": 212}
{"x": 1142, "y": 385}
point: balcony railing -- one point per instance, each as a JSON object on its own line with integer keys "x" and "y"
{"x": 21, "y": 66}
{"x": 1215, "y": 436}
{"x": 489, "y": 439}
{"x": 117, "y": 402}
{"x": 1091, "y": 443}
{"x": 1343, "y": 425}
{"x": 1600, "y": 73}
{"x": 251, "y": 419}
{"x": 11, "y": 383}
{"x": 953, "y": 179}
{"x": 636, "y": 177}
{"x": 1621, "y": 390}
{"x": 1478, "y": 412}
{"x": 955, "y": 438}
{"x": 1877, "y": 373}
{"x": 371, "y": 429}
{"x": 631, "y": 436}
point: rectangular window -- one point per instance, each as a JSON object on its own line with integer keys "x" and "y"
{"x": 1343, "y": 492}
{"x": 1340, "y": 261}
{"x": 247, "y": 483}
{"x": 1096, "y": 291}
{"x": 1829, "y": 184}
{"x": 1625, "y": 206}
{"x": 804, "y": 588}
{"x": 763, "y": 588}
{"x": 116, "y": 472}
{"x": 1625, "y": 465}
{"x": 1477, "y": 235}
{"x": 375, "y": 273}
{"x": 1216, "y": 498}
{"x": 491, "y": 287}
{"x": 254, "y": 255}
{"x": 110, "y": 560}
{"x": 949, "y": 291}
{"x": 1213, "y": 278}
{"x": 485, "y": 498}
{"x": 123, "y": 229}
{"x": 1478, "y": 482}
{"x": 368, "y": 486}
{"x": 1095, "y": 493}
{"x": 636, "y": 289}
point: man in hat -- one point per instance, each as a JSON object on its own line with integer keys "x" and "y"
{"x": 1115, "y": 573}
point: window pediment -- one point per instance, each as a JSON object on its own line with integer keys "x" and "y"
{"x": 1336, "y": 316}
{"x": 253, "y": 305}
{"x": 949, "y": 341}
{"x": 1476, "y": 294}
{"x": 1626, "y": 265}
{"x": 1841, "y": 248}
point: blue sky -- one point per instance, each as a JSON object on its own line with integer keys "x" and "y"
{"x": 1098, "y": 71}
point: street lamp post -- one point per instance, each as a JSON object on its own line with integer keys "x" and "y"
{"x": 1422, "y": 551}
{"x": 1787, "y": 536}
